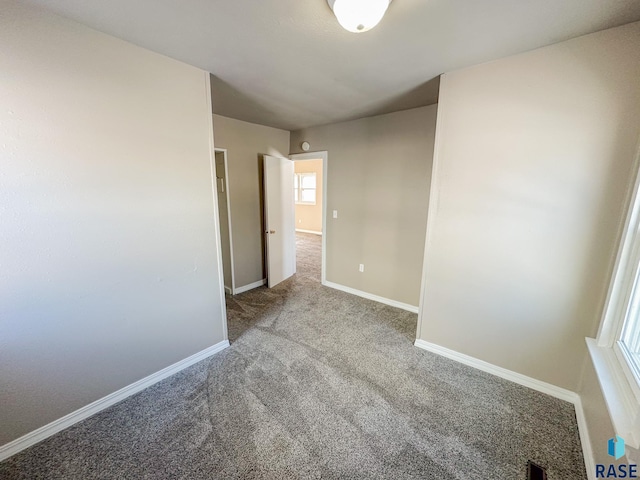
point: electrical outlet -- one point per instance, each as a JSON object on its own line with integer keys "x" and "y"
{"x": 361, "y": 267}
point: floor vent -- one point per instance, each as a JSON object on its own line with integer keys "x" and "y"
{"x": 535, "y": 472}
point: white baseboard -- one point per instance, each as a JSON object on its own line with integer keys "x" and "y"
{"x": 56, "y": 426}
{"x": 308, "y": 231}
{"x": 371, "y": 296}
{"x": 585, "y": 440}
{"x": 544, "y": 387}
{"x": 251, "y": 286}
{"x": 540, "y": 386}
{"x": 228, "y": 290}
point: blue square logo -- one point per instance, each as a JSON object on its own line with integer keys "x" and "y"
{"x": 616, "y": 447}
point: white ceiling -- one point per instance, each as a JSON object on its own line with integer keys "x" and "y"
{"x": 288, "y": 64}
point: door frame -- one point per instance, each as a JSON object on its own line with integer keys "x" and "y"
{"x": 324, "y": 156}
{"x": 226, "y": 191}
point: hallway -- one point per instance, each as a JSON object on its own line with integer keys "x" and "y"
{"x": 309, "y": 255}
{"x": 243, "y": 309}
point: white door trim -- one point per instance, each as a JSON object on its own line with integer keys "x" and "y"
{"x": 216, "y": 220}
{"x": 226, "y": 186}
{"x": 324, "y": 155}
{"x": 434, "y": 196}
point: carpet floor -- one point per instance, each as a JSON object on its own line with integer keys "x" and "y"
{"x": 317, "y": 384}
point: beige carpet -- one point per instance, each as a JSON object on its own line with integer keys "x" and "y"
{"x": 317, "y": 384}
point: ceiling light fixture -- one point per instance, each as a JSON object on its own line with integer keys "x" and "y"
{"x": 358, "y": 16}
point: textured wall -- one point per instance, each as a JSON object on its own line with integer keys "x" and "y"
{"x": 532, "y": 166}
{"x": 109, "y": 268}
{"x": 378, "y": 178}
{"x": 246, "y": 143}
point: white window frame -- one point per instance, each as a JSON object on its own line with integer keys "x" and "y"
{"x": 619, "y": 382}
{"x": 300, "y": 189}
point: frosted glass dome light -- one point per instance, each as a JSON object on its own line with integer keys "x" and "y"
{"x": 359, "y": 15}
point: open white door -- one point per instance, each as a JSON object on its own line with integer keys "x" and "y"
{"x": 279, "y": 218}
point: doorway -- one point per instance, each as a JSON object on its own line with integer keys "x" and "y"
{"x": 224, "y": 214}
{"x": 310, "y": 192}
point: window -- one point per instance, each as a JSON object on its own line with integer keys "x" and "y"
{"x": 616, "y": 351}
{"x": 304, "y": 185}
{"x": 629, "y": 342}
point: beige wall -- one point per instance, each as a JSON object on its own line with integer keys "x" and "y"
{"x": 379, "y": 171}
{"x": 108, "y": 240}
{"x": 246, "y": 143}
{"x": 309, "y": 217}
{"x": 533, "y": 162}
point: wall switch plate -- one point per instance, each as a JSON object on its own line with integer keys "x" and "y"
{"x": 361, "y": 267}
{"x": 335, "y": 214}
